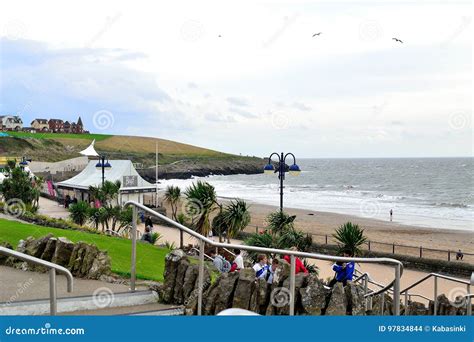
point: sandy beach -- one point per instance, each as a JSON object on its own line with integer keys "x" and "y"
{"x": 324, "y": 223}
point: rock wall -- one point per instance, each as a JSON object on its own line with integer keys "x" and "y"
{"x": 82, "y": 259}
{"x": 242, "y": 290}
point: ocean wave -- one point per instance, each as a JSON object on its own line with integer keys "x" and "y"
{"x": 450, "y": 205}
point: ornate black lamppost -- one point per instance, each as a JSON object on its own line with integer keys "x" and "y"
{"x": 281, "y": 169}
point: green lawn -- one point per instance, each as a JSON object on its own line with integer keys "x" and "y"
{"x": 150, "y": 259}
{"x": 39, "y": 135}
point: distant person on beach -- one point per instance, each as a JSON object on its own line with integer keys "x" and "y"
{"x": 344, "y": 271}
{"x": 147, "y": 236}
{"x": 391, "y": 215}
{"x": 299, "y": 266}
{"x": 261, "y": 267}
{"x": 220, "y": 262}
{"x": 459, "y": 255}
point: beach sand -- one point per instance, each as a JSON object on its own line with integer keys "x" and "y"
{"x": 385, "y": 232}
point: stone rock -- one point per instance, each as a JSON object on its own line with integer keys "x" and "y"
{"x": 172, "y": 261}
{"x": 179, "y": 282}
{"x": 244, "y": 289}
{"x": 101, "y": 266}
{"x": 377, "y": 305}
{"x": 313, "y": 296}
{"x": 260, "y": 297}
{"x": 209, "y": 297}
{"x": 3, "y": 258}
{"x": 49, "y": 249}
{"x": 446, "y": 307}
{"x": 355, "y": 299}
{"x": 225, "y": 291}
{"x": 338, "y": 302}
{"x": 300, "y": 281}
{"x": 417, "y": 309}
{"x": 35, "y": 247}
{"x": 190, "y": 279}
{"x": 63, "y": 251}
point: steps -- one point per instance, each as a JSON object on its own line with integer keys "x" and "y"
{"x": 82, "y": 304}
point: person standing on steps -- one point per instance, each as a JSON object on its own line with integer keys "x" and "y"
{"x": 391, "y": 215}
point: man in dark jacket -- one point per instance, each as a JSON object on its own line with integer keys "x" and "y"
{"x": 344, "y": 271}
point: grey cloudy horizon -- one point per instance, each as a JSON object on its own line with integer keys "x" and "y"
{"x": 248, "y": 77}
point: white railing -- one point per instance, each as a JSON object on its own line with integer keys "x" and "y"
{"x": 53, "y": 303}
{"x": 397, "y": 265}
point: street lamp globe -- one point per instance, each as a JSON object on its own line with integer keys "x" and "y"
{"x": 294, "y": 170}
{"x": 98, "y": 165}
{"x": 107, "y": 165}
{"x": 269, "y": 169}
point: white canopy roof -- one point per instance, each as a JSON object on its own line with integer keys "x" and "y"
{"x": 90, "y": 150}
{"x": 121, "y": 170}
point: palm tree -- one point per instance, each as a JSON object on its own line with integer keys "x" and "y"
{"x": 202, "y": 201}
{"x": 181, "y": 219}
{"x": 79, "y": 212}
{"x": 280, "y": 221}
{"x": 235, "y": 217}
{"x": 172, "y": 197}
{"x": 350, "y": 237}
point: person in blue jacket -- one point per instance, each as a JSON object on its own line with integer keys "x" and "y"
{"x": 344, "y": 271}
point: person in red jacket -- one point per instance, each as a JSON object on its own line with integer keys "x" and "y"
{"x": 298, "y": 263}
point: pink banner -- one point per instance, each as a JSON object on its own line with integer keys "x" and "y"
{"x": 50, "y": 188}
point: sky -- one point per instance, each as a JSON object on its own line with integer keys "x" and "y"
{"x": 248, "y": 77}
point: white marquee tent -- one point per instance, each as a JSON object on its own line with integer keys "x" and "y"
{"x": 133, "y": 186}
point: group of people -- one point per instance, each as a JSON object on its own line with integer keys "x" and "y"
{"x": 68, "y": 201}
{"x": 265, "y": 269}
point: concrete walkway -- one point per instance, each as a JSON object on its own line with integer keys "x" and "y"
{"x": 17, "y": 285}
{"x": 52, "y": 208}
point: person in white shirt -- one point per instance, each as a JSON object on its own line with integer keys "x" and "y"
{"x": 271, "y": 270}
{"x": 261, "y": 267}
{"x": 239, "y": 260}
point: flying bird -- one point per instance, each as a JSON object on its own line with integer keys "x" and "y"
{"x": 317, "y": 34}
{"x": 397, "y": 40}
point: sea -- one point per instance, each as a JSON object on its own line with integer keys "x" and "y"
{"x": 426, "y": 192}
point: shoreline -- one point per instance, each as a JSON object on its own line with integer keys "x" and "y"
{"x": 382, "y": 234}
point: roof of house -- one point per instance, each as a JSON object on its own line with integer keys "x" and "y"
{"x": 79, "y": 121}
{"x": 93, "y": 176}
{"x": 41, "y": 121}
{"x": 56, "y": 120}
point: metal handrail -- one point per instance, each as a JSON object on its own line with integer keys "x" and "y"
{"x": 53, "y": 303}
{"x": 435, "y": 300}
{"x": 207, "y": 256}
{"x": 398, "y": 266}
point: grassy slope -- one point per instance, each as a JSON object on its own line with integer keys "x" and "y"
{"x": 150, "y": 259}
{"x": 56, "y": 147}
{"x": 97, "y": 137}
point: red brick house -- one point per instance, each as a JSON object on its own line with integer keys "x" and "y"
{"x": 56, "y": 125}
